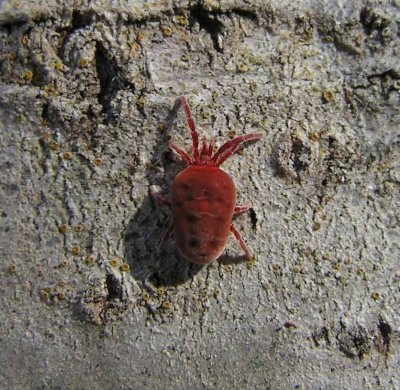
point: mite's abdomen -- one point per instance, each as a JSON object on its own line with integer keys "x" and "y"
{"x": 203, "y": 201}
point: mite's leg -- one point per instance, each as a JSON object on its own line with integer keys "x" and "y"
{"x": 181, "y": 152}
{"x": 182, "y": 102}
{"x": 230, "y": 147}
{"x": 237, "y": 235}
{"x": 165, "y": 237}
{"x": 204, "y": 149}
{"x": 165, "y": 202}
{"x": 160, "y": 199}
{"x": 192, "y": 126}
{"x": 173, "y": 114}
{"x": 210, "y": 149}
{"x": 241, "y": 209}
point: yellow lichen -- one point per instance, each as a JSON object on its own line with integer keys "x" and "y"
{"x": 231, "y": 134}
{"x": 337, "y": 266}
{"x": 145, "y": 296}
{"x": 242, "y": 67}
{"x": 253, "y": 86}
{"x": 90, "y": 260}
{"x": 63, "y": 228}
{"x": 318, "y": 208}
{"x": 49, "y": 87}
{"x": 64, "y": 263}
{"x": 83, "y": 63}
{"x": 67, "y": 155}
{"x": 358, "y": 39}
{"x": 141, "y": 102}
{"x": 58, "y": 66}
{"x": 44, "y": 296}
{"x": 376, "y": 295}
{"x": 182, "y": 20}
{"x": 166, "y": 305}
{"x": 228, "y": 268}
{"x": 79, "y": 228}
{"x": 186, "y": 57}
{"x": 296, "y": 269}
{"x": 134, "y": 45}
{"x": 161, "y": 290}
{"x": 28, "y": 75}
{"x": 276, "y": 267}
{"x": 327, "y": 96}
{"x": 316, "y": 226}
{"x": 125, "y": 267}
{"x": 167, "y": 31}
{"x": 53, "y": 145}
{"x": 251, "y": 262}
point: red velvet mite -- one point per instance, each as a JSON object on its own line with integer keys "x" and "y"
{"x": 203, "y": 197}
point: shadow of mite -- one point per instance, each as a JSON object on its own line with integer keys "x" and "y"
{"x": 141, "y": 239}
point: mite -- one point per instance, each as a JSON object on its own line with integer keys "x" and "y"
{"x": 203, "y": 197}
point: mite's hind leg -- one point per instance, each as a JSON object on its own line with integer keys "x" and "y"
{"x": 241, "y": 209}
{"x": 237, "y": 235}
{"x": 167, "y": 234}
{"x": 159, "y": 198}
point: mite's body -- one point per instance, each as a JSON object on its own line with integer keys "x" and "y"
{"x": 203, "y": 201}
{"x": 203, "y": 198}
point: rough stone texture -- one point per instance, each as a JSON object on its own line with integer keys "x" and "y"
{"x": 86, "y": 88}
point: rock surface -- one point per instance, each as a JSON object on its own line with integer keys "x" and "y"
{"x": 86, "y": 300}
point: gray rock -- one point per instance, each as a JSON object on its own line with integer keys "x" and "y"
{"x": 87, "y": 302}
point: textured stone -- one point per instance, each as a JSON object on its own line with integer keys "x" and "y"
{"x": 86, "y": 89}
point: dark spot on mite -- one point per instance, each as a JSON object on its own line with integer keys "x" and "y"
{"x": 207, "y": 194}
{"x": 217, "y": 232}
{"x": 192, "y": 230}
{"x": 220, "y": 199}
{"x": 194, "y": 242}
{"x": 178, "y": 203}
{"x": 189, "y": 196}
{"x": 213, "y": 243}
{"x": 219, "y": 219}
{"x": 192, "y": 218}
{"x": 185, "y": 186}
